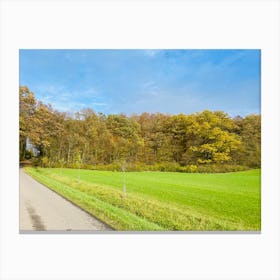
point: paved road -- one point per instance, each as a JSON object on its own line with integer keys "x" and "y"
{"x": 42, "y": 209}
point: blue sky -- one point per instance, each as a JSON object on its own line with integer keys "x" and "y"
{"x": 136, "y": 81}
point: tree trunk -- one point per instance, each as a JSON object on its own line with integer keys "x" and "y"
{"x": 68, "y": 154}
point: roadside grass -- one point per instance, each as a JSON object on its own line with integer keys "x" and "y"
{"x": 161, "y": 200}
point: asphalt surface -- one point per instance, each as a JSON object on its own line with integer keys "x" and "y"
{"x": 41, "y": 209}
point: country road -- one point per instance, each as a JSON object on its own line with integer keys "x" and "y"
{"x": 42, "y": 209}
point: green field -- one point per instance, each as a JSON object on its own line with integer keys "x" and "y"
{"x": 163, "y": 201}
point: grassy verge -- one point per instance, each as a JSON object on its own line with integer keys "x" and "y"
{"x": 161, "y": 201}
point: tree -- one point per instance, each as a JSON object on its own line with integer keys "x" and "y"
{"x": 249, "y": 129}
{"x": 27, "y": 106}
{"x": 153, "y": 131}
{"x": 215, "y": 142}
{"x": 126, "y": 138}
{"x": 88, "y": 138}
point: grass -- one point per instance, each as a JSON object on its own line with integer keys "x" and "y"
{"x": 161, "y": 200}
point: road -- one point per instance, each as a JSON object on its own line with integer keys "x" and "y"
{"x": 41, "y": 209}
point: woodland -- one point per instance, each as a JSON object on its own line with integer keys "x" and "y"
{"x": 207, "y": 141}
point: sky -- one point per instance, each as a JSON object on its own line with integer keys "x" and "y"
{"x": 136, "y": 81}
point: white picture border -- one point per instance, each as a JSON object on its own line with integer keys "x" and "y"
{"x": 140, "y": 24}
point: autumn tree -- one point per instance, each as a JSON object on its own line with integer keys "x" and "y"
{"x": 249, "y": 129}
{"x": 126, "y": 138}
{"x": 215, "y": 141}
{"x": 27, "y": 107}
{"x": 89, "y": 138}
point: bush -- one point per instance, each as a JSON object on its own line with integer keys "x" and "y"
{"x": 191, "y": 168}
{"x": 138, "y": 166}
{"x": 28, "y": 154}
{"x": 45, "y": 162}
{"x": 169, "y": 167}
{"x": 220, "y": 168}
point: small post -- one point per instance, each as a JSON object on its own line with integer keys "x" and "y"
{"x": 124, "y": 181}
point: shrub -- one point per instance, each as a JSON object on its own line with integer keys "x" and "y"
{"x": 220, "y": 168}
{"x": 138, "y": 166}
{"x": 192, "y": 168}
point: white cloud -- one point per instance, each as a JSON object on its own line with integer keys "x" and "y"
{"x": 66, "y": 100}
{"x": 152, "y": 52}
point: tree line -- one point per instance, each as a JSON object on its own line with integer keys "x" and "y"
{"x": 94, "y": 140}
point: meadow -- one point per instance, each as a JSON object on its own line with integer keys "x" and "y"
{"x": 161, "y": 201}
